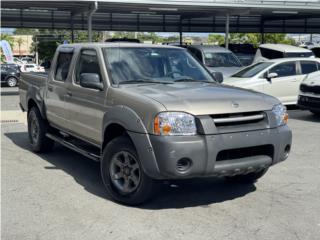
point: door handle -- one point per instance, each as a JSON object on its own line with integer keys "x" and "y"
{"x": 69, "y": 94}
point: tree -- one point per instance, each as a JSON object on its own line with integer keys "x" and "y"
{"x": 256, "y": 38}
{"x": 10, "y": 40}
{"x": 216, "y": 39}
{"x": 19, "y": 41}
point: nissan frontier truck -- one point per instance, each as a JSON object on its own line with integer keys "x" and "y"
{"x": 150, "y": 113}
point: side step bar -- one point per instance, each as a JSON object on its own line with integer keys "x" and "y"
{"x": 74, "y": 147}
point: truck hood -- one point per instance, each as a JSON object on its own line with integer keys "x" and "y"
{"x": 204, "y": 98}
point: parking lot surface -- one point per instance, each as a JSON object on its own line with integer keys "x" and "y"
{"x": 60, "y": 195}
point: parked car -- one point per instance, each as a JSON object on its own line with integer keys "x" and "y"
{"x": 244, "y": 52}
{"x": 274, "y": 51}
{"x": 27, "y": 60}
{"x": 10, "y": 74}
{"x": 280, "y": 78}
{"x": 216, "y": 58}
{"x": 151, "y": 112}
{"x": 309, "y": 96}
{"x": 316, "y": 51}
{"x": 32, "y": 67}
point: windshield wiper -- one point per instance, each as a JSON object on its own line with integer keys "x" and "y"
{"x": 143, "y": 81}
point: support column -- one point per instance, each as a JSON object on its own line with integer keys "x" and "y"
{"x": 93, "y": 9}
{"x": 180, "y": 32}
{"x": 262, "y": 30}
{"x": 227, "y": 31}
{"x": 72, "y": 28}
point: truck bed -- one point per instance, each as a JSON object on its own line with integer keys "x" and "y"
{"x": 33, "y": 85}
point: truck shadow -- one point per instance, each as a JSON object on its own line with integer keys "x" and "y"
{"x": 303, "y": 115}
{"x": 174, "y": 194}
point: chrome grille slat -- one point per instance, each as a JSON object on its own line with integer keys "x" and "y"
{"x": 239, "y": 119}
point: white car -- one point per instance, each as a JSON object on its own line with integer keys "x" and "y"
{"x": 273, "y": 51}
{"x": 309, "y": 96}
{"x": 32, "y": 67}
{"x": 280, "y": 78}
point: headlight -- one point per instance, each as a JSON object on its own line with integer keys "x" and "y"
{"x": 174, "y": 124}
{"x": 280, "y": 113}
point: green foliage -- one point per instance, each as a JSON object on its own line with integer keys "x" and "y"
{"x": 216, "y": 39}
{"x": 256, "y": 38}
{"x": 8, "y": 38}
{"x": 46, "y": 48}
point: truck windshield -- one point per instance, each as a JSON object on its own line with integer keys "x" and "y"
{"x": 145, "y": 64}
{"x": 252, "y": 70}
{"x": 221, "y": 59}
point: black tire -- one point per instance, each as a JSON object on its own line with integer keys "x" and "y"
{"x": 37, "y": 129}
{"x": 248, "y": 178}
{"x": 139, "y": 193}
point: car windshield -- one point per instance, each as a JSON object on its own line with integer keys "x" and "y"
{"x": 152, "y": 64}
{"x": 252, "y": 70}
{"x": 221, "y": 59}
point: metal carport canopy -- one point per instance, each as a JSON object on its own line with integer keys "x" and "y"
{"x": 266, "y": 16}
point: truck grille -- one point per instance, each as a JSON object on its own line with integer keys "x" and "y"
{"x": 237, "y": 153}
{"x": 232, "y": 119}
{"x": 310, "y": 89}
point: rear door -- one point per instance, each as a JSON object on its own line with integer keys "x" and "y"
{"x": 286, "y": 85}
{"x": 56, "y": 87}
{"x": 86, "y": 106}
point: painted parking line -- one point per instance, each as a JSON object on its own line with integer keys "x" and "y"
{"x": 17, "y": 116}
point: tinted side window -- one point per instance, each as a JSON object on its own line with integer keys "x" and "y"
{"x": 284, "y": 69}
{"x": 270, "y": 54}
{"x": 88, "y": 63}
{"x": 62, "y": 68}
{"x": 308, "y": 67}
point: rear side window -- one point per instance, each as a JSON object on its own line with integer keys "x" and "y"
{"x": 88, "y": 63}
{"x": 309, "y": 67}
{"x": 270, "y": 54}
{"x": 63, "y": 65}
{"x": 284, "y": 69}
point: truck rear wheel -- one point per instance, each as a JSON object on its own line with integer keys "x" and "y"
{"x": 122, "y": 173}
{"x": 248, "y": 178}
{"x": 37, "y": 129}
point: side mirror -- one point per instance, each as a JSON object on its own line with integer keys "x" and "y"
{"x": 91, "y": 80}
{"x": 218, "y": 76}
{"x": 271, "y": 75}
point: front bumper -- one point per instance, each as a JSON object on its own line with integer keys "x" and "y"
{"x": 204, "y": 151}
{"x": 309, "y": 103}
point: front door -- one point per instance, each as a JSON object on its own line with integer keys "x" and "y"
{"x": 86, "y": 106}
{"x": 286, "y": 85}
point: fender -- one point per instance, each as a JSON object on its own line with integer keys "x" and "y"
{"x": 138, "y": 133}
{"x": 36, "y": 94}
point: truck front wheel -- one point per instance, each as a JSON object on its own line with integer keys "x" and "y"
{"x": 248, "y": 178}
{"x": 37, "y": 129}
{"x": 122, "y": 173}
